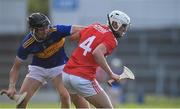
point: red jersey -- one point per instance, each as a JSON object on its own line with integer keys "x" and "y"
{"x": 82, "y": 62}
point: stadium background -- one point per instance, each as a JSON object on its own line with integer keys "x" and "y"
{"x": 151, "y": 50}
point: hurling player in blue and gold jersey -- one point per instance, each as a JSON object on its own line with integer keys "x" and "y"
{"x": 46, "y": 44}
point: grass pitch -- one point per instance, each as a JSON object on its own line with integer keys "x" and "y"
{"x": 150, "y": 102}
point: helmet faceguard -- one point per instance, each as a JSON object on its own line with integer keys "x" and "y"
{"x": 36, "y": 21}
{"x": 121, "y": 19}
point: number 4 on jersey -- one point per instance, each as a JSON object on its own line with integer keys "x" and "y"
{"x": 86, "y": 45}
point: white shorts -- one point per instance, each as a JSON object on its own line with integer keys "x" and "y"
{"x": 81, "y": 86}
{"x": 43, "y": 74}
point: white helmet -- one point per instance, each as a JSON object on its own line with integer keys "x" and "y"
{"x": 120, "y": 17}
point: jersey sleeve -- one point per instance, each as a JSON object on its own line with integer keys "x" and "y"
{"x": 110, "y": 43}
{"x": 64, "y": 30}
{"x": 22, "y": 53}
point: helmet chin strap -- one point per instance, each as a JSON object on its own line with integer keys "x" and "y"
{"x": 33, "y": 34}
{"x": 116, "y": 34}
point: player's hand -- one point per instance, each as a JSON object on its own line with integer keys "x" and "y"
{"x": 113, "y": 77}
{"x": 11, "y": 92}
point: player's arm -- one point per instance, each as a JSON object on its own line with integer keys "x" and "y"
{"x": 75, "y": 36}
{"x": 22, "y": 54}
{"x": 13, "y": 75}
{"x": 76, "y": 28}
{"x": 75, "y": 32}
{"x": 98, "y": 54}
{"x": 69, "y": 30}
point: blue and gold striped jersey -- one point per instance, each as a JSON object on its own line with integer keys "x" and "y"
{"x": 48, "y": 53}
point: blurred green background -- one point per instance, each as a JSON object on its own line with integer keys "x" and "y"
{"x": 151, "y": 102}
{"x": 38, "y": 6}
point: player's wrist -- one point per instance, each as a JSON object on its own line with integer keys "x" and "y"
{"x": 111, "y": 75}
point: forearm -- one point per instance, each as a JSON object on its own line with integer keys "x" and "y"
{"x": 14, "y": 72}
{"x": 76, "y": 28}
{"x": 101, "y": 60}
{"x": 13, "y": 75}
{"x": 75, "y": 32}
{"x": 75, "y": 36}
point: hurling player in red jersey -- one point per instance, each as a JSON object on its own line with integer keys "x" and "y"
{"x": 95, "y": 42}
